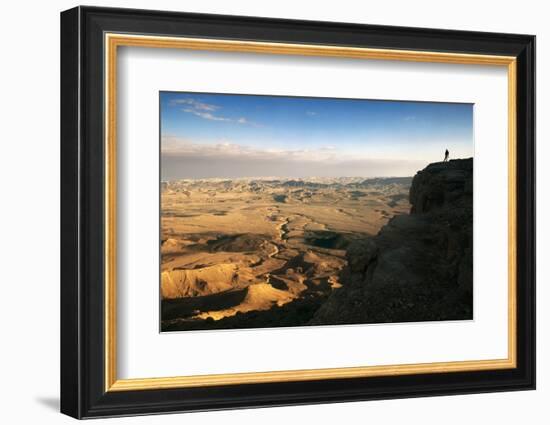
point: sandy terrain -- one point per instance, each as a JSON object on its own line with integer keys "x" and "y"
{"x": 237, "y": 251}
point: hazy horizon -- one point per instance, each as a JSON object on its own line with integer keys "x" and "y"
{"x": 246, "y": 136}
{"x": 306, "y": 178}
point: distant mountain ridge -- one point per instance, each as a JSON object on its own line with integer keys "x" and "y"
{"x": 310, "y": 182}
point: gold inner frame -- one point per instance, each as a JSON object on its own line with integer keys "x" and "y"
{"x": 113, "y": 41}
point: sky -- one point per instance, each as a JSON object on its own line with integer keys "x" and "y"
{"x": 230, "y": 136}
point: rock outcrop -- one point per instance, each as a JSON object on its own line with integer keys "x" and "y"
{"x": 419, "y": 266}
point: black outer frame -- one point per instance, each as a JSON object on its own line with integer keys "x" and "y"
{"x": 82, "y": 219}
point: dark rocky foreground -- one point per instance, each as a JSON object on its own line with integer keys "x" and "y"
{"x": 419, "y": 266}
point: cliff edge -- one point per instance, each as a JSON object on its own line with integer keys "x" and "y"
{"x": 419, "y": 266}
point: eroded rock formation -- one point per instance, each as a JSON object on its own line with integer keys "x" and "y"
{"x": 419, "y": 266}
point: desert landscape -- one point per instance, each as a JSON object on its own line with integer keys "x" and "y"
{"x": 263, "y": 252}
{"x": 281, "y": 211}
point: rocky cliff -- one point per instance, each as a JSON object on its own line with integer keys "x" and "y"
{"x": 419, "y": 266}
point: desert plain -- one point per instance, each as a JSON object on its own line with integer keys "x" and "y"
{"x": 263, "y": 252}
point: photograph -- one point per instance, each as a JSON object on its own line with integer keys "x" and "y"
{"x": 284, "y": 211}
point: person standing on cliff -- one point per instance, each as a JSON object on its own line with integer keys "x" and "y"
{"x": 446, "y": 155}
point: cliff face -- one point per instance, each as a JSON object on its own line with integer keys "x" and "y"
{"x": 419, "y": 266}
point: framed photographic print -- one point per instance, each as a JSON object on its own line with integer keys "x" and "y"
{"x": 261, "y": 212}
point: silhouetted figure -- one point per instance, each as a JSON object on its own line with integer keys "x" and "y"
{"x": 446, "y": 155}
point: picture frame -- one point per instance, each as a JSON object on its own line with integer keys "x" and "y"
{"x": 90, "y": 40}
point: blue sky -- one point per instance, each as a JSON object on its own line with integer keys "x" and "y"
{"x": 314, "y": 135}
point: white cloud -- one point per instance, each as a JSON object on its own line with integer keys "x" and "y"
{"x": 205, "y": 110}
{"x": 195, "y": 104}
{"x": 184, "y": 159}
{"x": 205, "y": 115}
{"x": 175, "y": 146}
